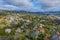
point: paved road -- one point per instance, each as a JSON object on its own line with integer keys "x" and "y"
{"x": 57, "y": 17}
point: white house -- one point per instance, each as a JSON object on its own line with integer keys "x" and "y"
{"x": 8, "y": 30}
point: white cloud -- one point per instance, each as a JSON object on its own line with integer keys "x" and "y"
{"x": 21, "y": 3}
{"x": 49, "y": 3}
{"x": 8, "y": 7}
{"x": 46, "y": 5}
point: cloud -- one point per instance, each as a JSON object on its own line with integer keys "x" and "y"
{"x": 21, "y": 3}
{"x": 24, "y": 5}
{"x": 8, "y": 7}
{"x": 30, "y": 5}
{"x": 49, "y": 3}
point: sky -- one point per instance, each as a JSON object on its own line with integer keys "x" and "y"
{"x": 30, "y": 5}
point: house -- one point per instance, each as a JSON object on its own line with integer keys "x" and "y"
{"x": 34, "y": 34}
{"x": 41, "y": 29}
{"x": 7, "y": 30}
{"x": 42, "y": 20}
{"x": 11, "y": 18}
{"x": 18, "y": 30}
{"x": 54, "y": 30}
{"x": 28, "y": 21}
{"x": 46, "y": 38}
{"x": 15, "y": 37}
{"x": 56, "y": 36}
{"x": 41, "y": 25}
{"x": 20, "y": 19}
{"x": 22, "y": 27}
{"x": 35, "y": 28}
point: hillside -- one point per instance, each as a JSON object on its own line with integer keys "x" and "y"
{"x": 28, "y": 26}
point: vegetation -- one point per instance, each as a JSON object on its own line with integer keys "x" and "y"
{"x": 25, "y": 26}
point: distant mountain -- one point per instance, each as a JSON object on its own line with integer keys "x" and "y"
{"x": 46, "y": 12}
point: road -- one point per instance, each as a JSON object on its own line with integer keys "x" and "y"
{"x": 57, "y": 17}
